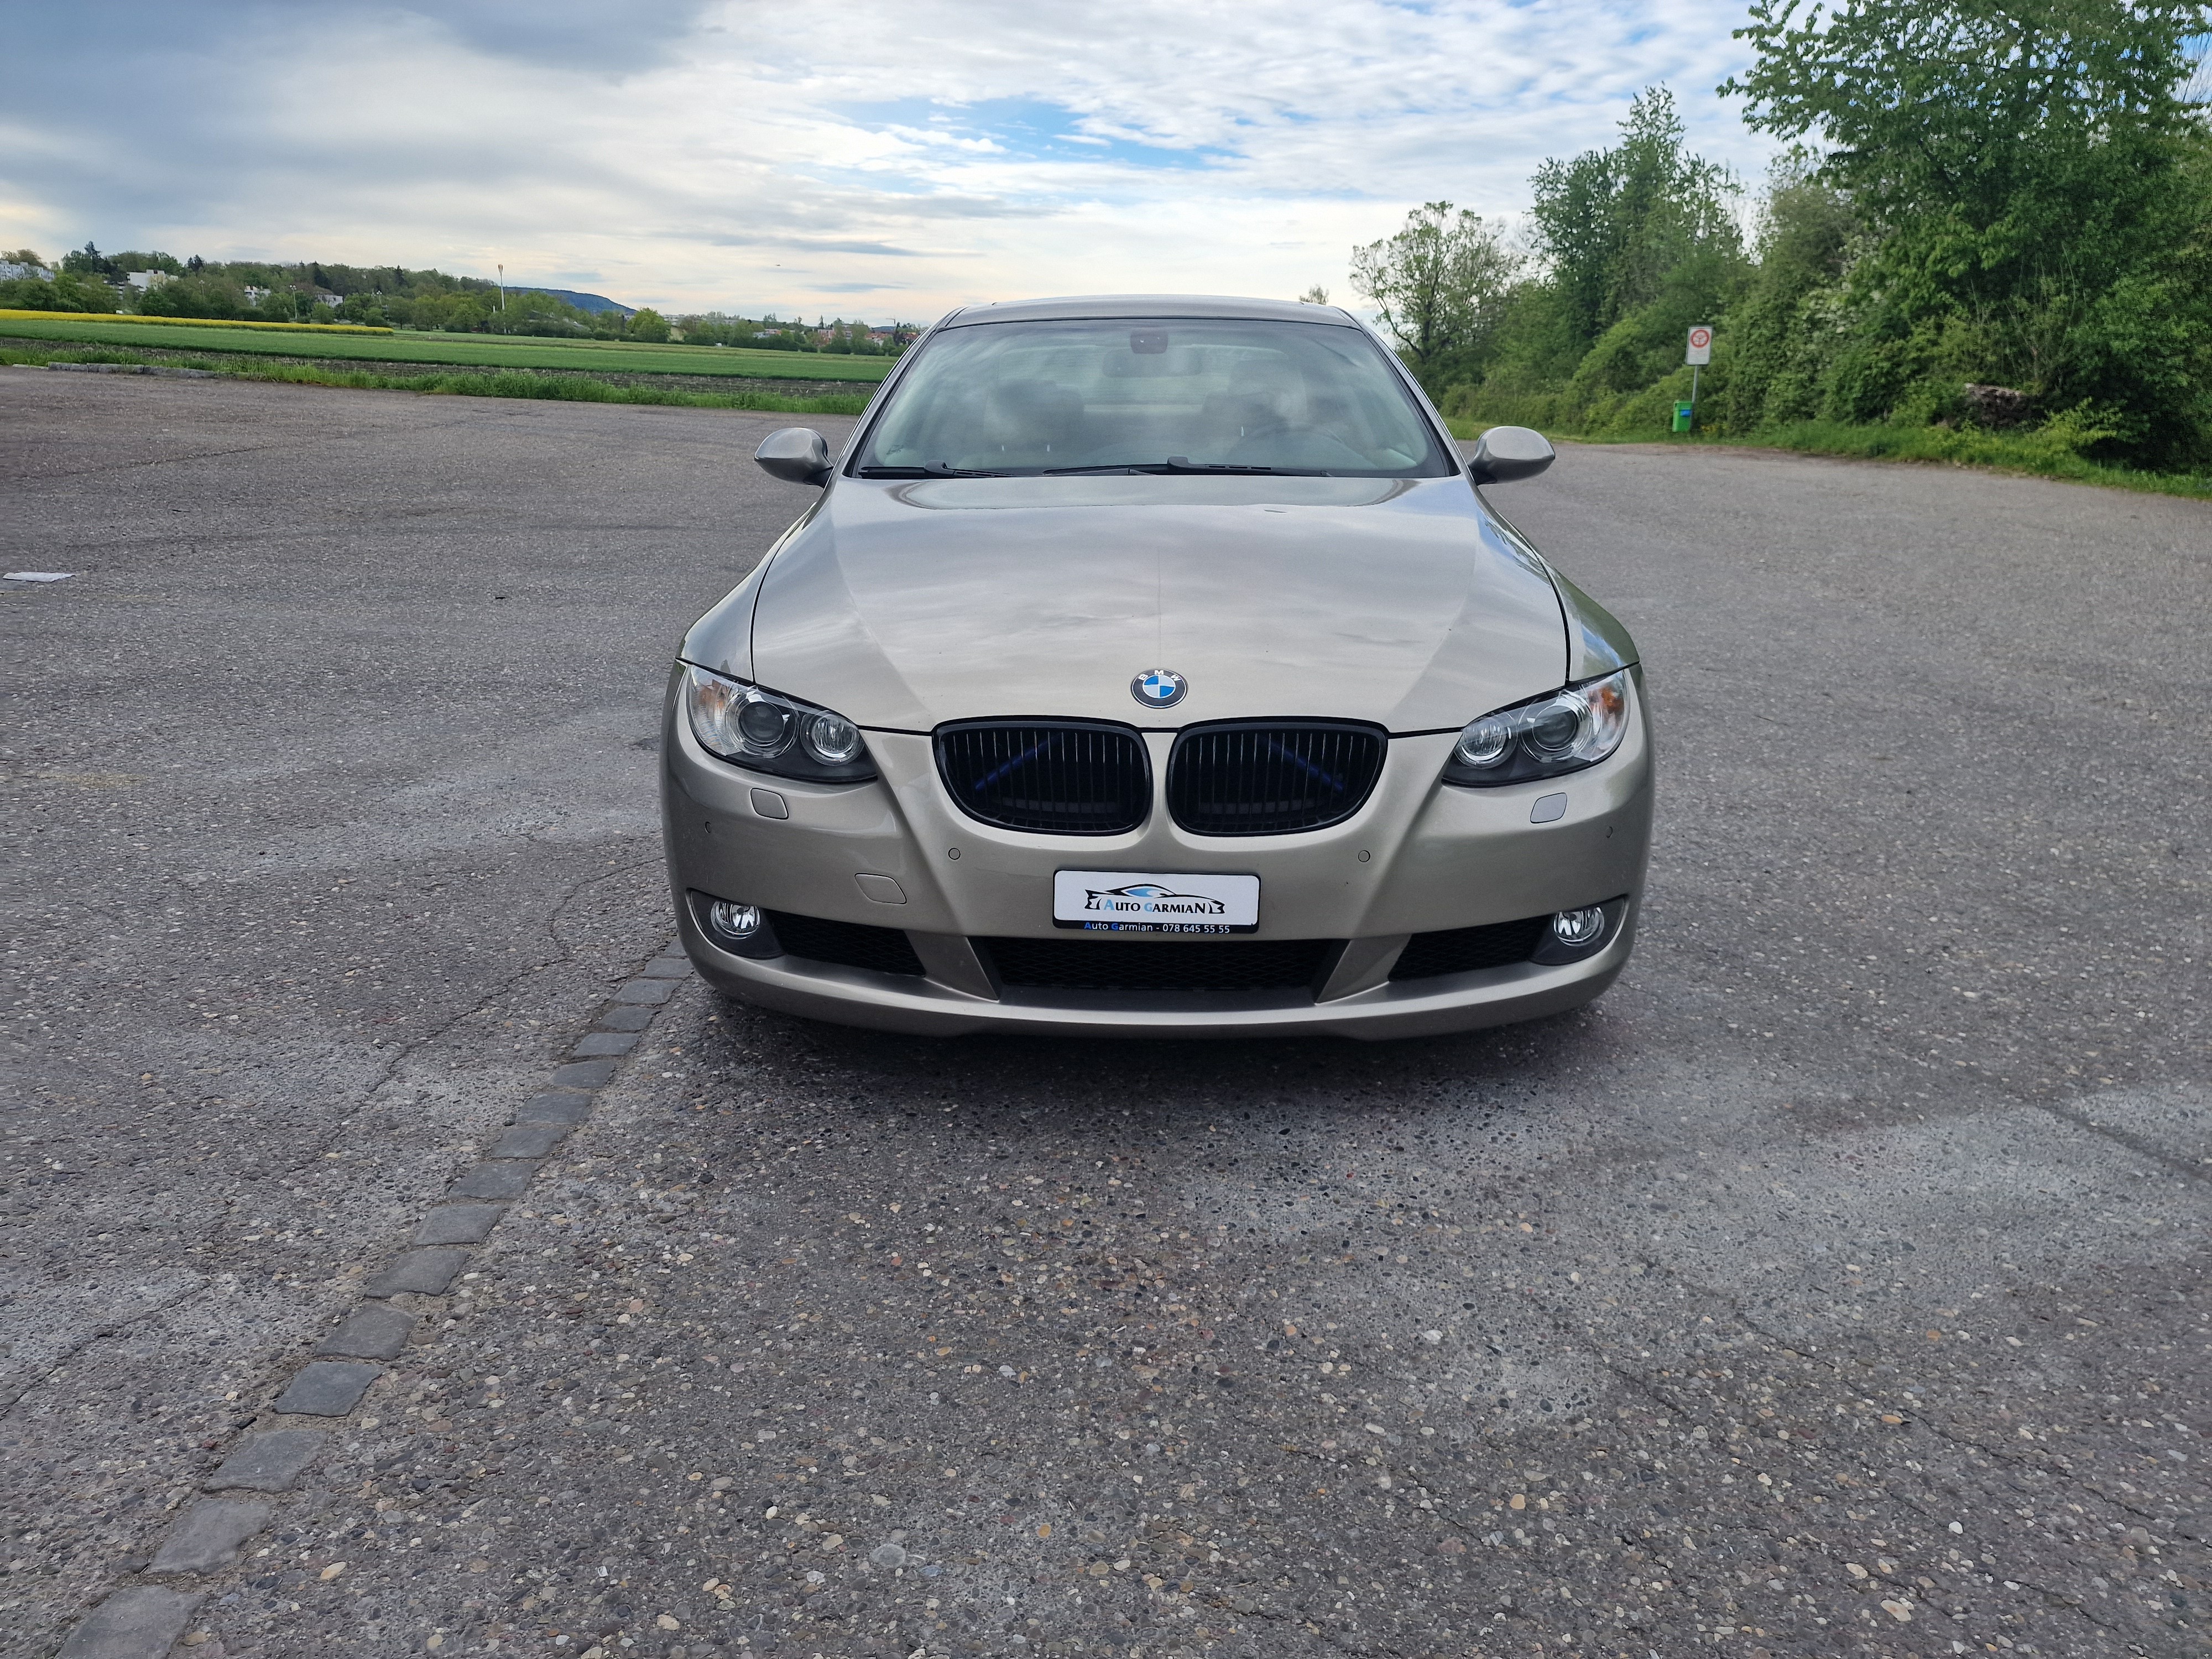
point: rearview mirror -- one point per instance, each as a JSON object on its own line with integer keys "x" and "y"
{"x": 798, "y": 454}
{"x": 1505, "y": 453}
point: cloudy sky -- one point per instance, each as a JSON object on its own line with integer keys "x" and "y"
{"x": 869, "y": 159}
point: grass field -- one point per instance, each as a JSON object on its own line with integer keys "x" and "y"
{"x": 2037, "y": 454}
{"x": 801, "y": 397}
{"x": 175, "y": 322}
{"x": 484, "y": 351}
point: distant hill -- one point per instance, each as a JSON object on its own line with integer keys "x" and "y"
{"x": 581, "y": 302}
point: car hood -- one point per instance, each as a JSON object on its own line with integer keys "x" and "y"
{"x": 901, "y": 605}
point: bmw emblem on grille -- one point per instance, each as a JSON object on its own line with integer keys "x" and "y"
{"x": 1158, "y": 688}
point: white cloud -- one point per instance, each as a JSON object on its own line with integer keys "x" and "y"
{"x": 891, "y": 158}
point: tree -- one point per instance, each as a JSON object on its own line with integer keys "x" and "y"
{"x": 89, "y": 261}
{"x": 1783, "y": 335}
{"x": 2035, "y": 177}
{"x": 648, "y": 324}
{"x": 1316, "y": 296}
{"x": 1438, "y": 285}
{"x": 1967, "y": 103}
{"x": 1613, "y": 225}
{"x": 193, "y": 296}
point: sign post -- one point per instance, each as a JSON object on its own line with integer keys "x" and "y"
{"x": 1699, "y": 354}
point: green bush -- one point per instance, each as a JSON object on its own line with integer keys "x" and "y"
{"x": 67, "y": 292}
{"x": 194, "y": 296}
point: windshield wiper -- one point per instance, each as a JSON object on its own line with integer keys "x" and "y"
{"x": 1183, "y": 464}
{"x": 936, "y": 469}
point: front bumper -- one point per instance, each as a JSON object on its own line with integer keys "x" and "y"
{"x": 1419, "y": 857}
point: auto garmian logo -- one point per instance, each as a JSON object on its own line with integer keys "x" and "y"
{"x": 1158, "y": 688}
{"x": 1150, "y": 898}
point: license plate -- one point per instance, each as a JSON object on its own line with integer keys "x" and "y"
{"x": 1135, "y": 901}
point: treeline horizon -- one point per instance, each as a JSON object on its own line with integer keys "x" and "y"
{"x": 395, "y": 296}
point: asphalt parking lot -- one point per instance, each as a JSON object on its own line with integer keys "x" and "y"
{"x": 1834, "y": 1285}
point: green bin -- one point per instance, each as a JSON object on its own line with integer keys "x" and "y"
{"x": 1682, "y": 417}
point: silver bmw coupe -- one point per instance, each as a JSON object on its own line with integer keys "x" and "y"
{"x": 1152, "y": 667}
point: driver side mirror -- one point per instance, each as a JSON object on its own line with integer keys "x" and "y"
{"x": 797, "y": 455}
{"x": 1506, "y": 452}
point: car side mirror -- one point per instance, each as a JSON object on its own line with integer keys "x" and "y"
{"x": 797, "y": 455}
{"x": 1506, "y": 452}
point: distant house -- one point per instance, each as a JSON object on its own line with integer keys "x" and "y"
{"x": 13, "y": 271}
{"x": 254, "y": 295}
{"x": 144, "y": 280}
{"x": 326, "y": 299}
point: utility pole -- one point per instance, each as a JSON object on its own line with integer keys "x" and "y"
{"x": 502, "y": 287}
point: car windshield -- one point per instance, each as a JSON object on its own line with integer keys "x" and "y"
{"x": 1172, "y": 395}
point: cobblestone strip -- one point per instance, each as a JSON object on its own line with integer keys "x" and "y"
{"x": 142, "y": 1619}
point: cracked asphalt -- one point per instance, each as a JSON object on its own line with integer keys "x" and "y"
{"x": 1834, "y": 1285}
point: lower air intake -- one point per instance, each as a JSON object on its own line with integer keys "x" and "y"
{"x": 1068, "y": 964}
{"x": 847, "y": 944}
{"x": 1466, "y": 949}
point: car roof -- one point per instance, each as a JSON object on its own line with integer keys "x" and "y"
{"x": 1148, "y": 304}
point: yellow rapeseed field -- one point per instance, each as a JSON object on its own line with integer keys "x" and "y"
{"x": 186, "y": 322}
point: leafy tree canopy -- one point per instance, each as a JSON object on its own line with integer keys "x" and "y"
{"x": 1967, "y": 102}
{"x": 1438, "y": 285}
{"x": 1611, "y": 224}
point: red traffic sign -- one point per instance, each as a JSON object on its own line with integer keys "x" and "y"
{"x": 1701, "y": 346}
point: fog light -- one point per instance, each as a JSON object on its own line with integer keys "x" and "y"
{"x": 1579, "y": 927}
{"x": 733, "y": 921}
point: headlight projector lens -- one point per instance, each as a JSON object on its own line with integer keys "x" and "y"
{"x": 764, "y": 726}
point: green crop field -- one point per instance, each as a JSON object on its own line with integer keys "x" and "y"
{"x": 492, "y": 351}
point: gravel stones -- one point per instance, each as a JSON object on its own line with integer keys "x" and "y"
{"x": 270, "y": 1461}
{"x": 209, "y": 1535}
{"x": 327, "y": 1387}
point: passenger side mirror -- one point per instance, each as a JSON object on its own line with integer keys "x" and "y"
{"x": 1506, "y": 452}
{"x": 798, "y": 454}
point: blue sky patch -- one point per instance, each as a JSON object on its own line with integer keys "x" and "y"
{"x": 1025, "y": 130}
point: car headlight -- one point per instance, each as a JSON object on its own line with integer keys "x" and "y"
{"x": 1576, "y": 726}
{"x": 766, "y": 731}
